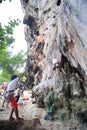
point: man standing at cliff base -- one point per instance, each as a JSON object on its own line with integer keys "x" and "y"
{"x": 10, "y": 96}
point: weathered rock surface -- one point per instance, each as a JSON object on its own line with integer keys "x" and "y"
{"x": 57, "y": 29}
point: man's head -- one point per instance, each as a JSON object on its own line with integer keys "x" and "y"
{"x": 13, "y": 77}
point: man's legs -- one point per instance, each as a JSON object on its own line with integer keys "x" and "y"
{"x": 14, "y": 109}
{"x": 11, "y": 118}
{"x": 16, "y": 113}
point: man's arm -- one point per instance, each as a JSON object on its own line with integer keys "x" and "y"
{"x": 63, "y": 71}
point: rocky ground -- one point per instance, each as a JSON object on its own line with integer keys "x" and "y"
{"x": 33, "y": 117}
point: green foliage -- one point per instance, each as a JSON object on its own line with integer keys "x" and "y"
{"x": 6, "y": 33}
{"x": 4, "y": 76}
{"x": 50, "y": 104}
{"x": 0, "y": 1}
{"x": 10, "y": 64}
{"x": 4, "y": 0}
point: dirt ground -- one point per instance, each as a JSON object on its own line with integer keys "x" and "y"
{"x": 33, "y": 116}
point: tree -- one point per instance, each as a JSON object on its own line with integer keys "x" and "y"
{"x": 6, "y": 33}
{"x": 11, "y": 64}
{"x": 3, "y": 0}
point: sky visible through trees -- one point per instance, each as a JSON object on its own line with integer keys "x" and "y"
{"x": 13, "y": 10}
{"x": 8, "y": 64}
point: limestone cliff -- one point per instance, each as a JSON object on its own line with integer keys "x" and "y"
{"x": 57, "y": 30}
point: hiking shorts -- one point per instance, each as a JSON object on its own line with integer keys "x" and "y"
{"x": 13, "y": 102}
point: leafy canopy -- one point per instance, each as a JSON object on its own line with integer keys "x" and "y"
{"x": 6, "y": 33}
{"x": 3, "y": 0}
{"x": 9, "y": 64}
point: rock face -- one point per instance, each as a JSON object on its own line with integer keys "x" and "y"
{"x": 57, "y": 30}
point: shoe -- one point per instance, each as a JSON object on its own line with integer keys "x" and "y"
{"x": 11, "y": 119}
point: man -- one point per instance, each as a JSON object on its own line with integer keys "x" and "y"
{"x": 10, "y": 96}
{"x": 57, "y": 65}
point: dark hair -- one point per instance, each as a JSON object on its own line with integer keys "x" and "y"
{"x": 13, "y": 77}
